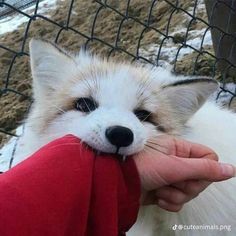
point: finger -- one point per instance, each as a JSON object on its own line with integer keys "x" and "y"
{"x": 173, "y": 195}
{"x": 156, "y": 172}
{"x": 183, "y": 148}
{"x": 168, "y": 206}
{"x": 193, "y": 150}
{"x": 181, "y": 185}
{"x": 179, "y": 193}
{"x": 192, "y": 187}
{"x": 209, "y": 170}
{"x": 180, "y": 169}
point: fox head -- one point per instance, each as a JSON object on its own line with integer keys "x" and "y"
{"x": 113, "y": 107}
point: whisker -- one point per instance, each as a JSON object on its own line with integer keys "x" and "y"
{"x": 156, "y": 144}
{"x": 86, "y": 104}
{"x": 35, "y": 117}
{"x": 28, "y": 125}
{"x": 87, "y": 84}
{"x": 149, "y": 146}
{"x": 159, "y": 147}
{"x": 153, "y": 148}
{"x": 59, "y": 108}
{"x": 146, "y": 117}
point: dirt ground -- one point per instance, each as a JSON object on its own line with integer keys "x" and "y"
{"x": 13, "y": 106}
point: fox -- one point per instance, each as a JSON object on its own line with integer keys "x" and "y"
{"x": 118, "y": 107}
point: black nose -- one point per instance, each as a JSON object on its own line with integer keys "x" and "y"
{"x": 119, "y": 136}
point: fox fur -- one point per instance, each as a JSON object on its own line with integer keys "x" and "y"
{"x": 178, "y": 106}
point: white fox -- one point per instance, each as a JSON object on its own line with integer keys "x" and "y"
{"x": 119, "y": 108}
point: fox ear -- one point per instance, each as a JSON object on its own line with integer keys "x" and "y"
{"x": 183, "y": 98}
{"x": 50, "y": 65}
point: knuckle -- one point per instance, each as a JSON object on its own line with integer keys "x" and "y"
{"x": 196, "y": 187}
{"x": 178, "y": 198}
{"x": 208, "y": 166}
{"x": 214, "y": 156}
{"x": 177, "y": 208}
{"x": 194, "y": 190}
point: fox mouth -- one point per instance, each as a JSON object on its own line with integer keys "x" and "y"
{"x": 115, "y": 154}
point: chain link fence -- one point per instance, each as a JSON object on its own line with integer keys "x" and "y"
{"x": 9, "y": 6}
{"x": 190, "y": 37}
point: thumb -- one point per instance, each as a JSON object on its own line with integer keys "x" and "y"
{"x": 166, "y": 170}
{"x": 196, "y": 169}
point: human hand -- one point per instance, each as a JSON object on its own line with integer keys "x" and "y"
{"x": 174, "y": 171}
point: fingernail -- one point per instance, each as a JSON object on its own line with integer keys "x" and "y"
{"x": 228, "y": 170}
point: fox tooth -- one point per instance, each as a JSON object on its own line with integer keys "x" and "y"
{"x": 124, "y": 158}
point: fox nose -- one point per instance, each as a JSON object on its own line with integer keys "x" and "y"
{"x": 119, "y": 136}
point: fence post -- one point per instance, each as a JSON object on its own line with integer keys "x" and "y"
{"x": 222, "y": 15}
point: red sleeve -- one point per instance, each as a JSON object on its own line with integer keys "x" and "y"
{"x": 64, "y": 190}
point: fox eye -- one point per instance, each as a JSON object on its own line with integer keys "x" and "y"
{"x": 143, "y": 115}
{"x": 85, "y": 105}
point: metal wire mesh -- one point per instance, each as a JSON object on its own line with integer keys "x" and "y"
{"x": 18, "y": 4}
{"x": 161, "y": 33}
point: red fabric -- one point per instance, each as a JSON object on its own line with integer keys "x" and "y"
{"x": 64, "y": 190}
